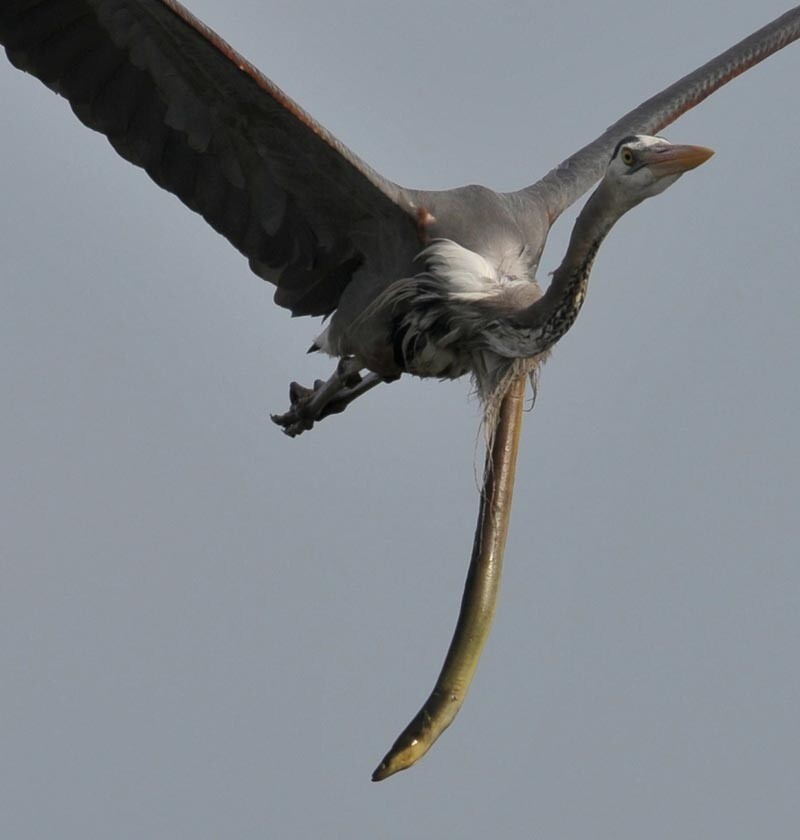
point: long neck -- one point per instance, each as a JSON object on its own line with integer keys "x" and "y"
{"x": 555, "y": 312}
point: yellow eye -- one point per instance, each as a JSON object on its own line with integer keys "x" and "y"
{"x": 627, "y": 157}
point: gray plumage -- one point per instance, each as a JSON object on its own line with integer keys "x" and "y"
{"x": 334, "y": 236}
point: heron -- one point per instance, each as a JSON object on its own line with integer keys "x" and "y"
{"x": 427, "y": 283}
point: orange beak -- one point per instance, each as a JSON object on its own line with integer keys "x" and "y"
{"x": 673, "y": 160}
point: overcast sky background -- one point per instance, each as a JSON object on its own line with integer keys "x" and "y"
{"x": 209, "y": 630}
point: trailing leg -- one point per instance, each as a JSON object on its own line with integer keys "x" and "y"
{"x": 332, "y": 396}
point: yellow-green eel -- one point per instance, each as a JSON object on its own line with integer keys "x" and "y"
{"x": 480, "y": 595}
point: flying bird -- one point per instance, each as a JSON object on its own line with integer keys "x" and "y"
{"x": 429, "y": 283}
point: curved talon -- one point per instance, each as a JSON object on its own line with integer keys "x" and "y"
{"x": 292, "y": 426}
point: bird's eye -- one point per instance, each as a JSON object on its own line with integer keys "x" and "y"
{"x": 627, "y": 157}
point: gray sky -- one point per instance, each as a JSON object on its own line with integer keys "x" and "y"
{"x": 209, "y": 630}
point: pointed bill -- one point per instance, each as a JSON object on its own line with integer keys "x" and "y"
{"x": 676, "y": 159}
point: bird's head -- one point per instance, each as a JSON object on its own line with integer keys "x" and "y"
{"x": 642, "y": 166}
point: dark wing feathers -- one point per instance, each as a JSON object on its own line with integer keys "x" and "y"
{"x": 175, "y": 99}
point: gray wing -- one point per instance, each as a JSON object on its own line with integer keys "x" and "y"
{"x": 570, "y": 179}
{"x": 175, "y": 99}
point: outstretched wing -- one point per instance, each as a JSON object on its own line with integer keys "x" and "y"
{"x": 175, "y": 99}
{"x": 570, "y": 179}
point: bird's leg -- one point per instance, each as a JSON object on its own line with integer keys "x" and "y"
{"x": 329, "y": 397}
{"x": 340, "y": 402}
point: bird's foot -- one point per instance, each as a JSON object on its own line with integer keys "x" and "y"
{"x": 298, "y": 418}
{"x": 308, "y": 405}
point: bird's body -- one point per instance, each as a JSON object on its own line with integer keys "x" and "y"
{"x": 479, "y": 310}
{"x": 333, "y": 235}
{"x": 436, "y": 316}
